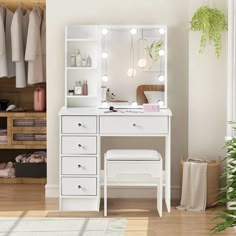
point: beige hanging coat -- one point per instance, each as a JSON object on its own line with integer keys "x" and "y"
{"x": 43, "y": 42}
{"x": 10, "y": 63}
{"x": 33, "y": 52}
{"x": 19, "y": 30}
{"x": 3, "y": 54}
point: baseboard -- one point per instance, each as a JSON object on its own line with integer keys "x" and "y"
{"x": 52, "y": 190}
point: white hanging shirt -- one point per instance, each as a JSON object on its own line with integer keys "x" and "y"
{"x": 19, "y": 30}
{"x": 10, "y": 63}
{"x": 3, "y": 54}
{"x": 33, "y": 52}
{"x": 43, "y": 41}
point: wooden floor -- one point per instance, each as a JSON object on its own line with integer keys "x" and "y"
{"x": 28, "y": 200}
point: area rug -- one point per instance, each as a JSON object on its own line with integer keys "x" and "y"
{"x": 13, "y": 226}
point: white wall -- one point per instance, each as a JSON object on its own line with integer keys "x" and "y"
{"x": 172, "y": 13}
{"x": 207, "y": 94}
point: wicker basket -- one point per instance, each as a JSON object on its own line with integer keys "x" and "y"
{"x": 213, "y": 182}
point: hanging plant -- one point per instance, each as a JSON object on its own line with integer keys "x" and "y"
{"x": 211, "y": 22}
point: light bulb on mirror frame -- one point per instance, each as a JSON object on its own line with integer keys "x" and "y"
{"x": 105, "y": 78}
{"x": 160, "y": 103}
{"x": 104, "y": 31}
{"x": 161, "y": 52}
{"x": 104, "y": 104}
{"x": 134, "y": 104}
{"x": 162, "y": 31}
{"x": 161, "y": 78}
{"x": 131, "y": 72}
{"x": 104, "y": 55}
{"x": 133, "y": 31}
{"x": 142, "y": 62}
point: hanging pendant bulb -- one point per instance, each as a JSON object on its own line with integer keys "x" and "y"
{"x": 131, "y": 71}
{"x": 142, "y": 55}
{"x": 105, "y": 78}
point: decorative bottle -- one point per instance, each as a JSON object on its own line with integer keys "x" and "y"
{"x": 89, "y": 61}
{"x": 78, "y": 59}
{"x": 78, "y": 88}
{"x": 85, "y": 87}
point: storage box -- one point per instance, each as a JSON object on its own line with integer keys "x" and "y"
{"x": 31, "y": 170}
{"x": 213, "y": 182}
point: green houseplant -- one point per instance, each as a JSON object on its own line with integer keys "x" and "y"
{"x": 228, "y": 192}
{"x": 153, "y": 50}
{"x": 211, "y": 22}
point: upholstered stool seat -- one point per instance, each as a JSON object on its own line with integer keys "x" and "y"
{"x": 133, "y": 164}
{"x": 133, "y": 155}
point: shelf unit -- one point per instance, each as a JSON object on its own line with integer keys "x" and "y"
{"x": 7, "y": 121}
{"x": 87, "y": 40}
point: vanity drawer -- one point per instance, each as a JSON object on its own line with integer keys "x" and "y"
{"x": 78, "y": 145}
{"x": 133, "y": 124}
{"x": 78, "y": 124}
{"x": 78, "y": 186}
{"x": 78, "y": 165}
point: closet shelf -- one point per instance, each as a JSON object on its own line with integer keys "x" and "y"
{"x": 24, "y": 130}
{"x": 23, "y": 180}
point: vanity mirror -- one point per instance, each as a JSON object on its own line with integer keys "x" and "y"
{"x": 121, "y": 65}
{"x": 134, "y": 65}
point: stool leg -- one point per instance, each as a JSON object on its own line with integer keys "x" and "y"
{"x": 159, "y": 197}
{"x": 105, "y": 185}
{"x": 159, "y": 191}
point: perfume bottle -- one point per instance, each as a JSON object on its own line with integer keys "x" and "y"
{"x": 78, "y": 59}
{"x": 89, "y": 61}
{"x": 85, "y": 87}
{"x": 78, "y": 88}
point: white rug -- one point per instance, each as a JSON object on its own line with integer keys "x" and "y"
{"x": 13, "y": 226}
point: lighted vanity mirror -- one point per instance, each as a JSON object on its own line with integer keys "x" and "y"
{"x": 133, "y": 65}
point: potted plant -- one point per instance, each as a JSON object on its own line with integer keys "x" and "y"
{"x": 211, "y": 22}
{"x": 228, "y": 192}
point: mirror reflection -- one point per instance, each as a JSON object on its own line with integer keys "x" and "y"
{"x": 134, "y": 69}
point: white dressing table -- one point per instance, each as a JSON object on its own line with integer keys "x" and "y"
{"x": 82, "y": 124}
{"x": 81, "y": 130}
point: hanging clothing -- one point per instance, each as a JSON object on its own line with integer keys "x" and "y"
{"x": 43, "y": 41}
{"x": 19, "y": 31}
{"x": 33, "y": 52}
{"x": 10, "y": 63}
{"x": 3, "y": 54}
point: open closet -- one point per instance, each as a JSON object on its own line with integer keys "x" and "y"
{"x": 23, "y": 157}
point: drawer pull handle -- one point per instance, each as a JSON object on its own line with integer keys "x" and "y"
{"x": 134, "y": 125}
{"x": 79, "y": 166}
{"x": 79, "y": 145}
{"x": 79, "y": 187}
{"x": 79, "y": 124}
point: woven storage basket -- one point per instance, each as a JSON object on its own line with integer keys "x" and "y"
{"x": 213, "y": 182}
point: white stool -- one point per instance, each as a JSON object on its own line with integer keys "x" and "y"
{"x": 133, "y": 167}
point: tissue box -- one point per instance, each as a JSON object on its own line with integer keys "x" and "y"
{"x": 149, "y": 107}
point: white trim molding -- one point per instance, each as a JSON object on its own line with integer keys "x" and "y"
{"x": 51, "y": 190}
{"x": 231, "y": 84}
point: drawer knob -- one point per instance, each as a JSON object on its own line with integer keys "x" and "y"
{"x": 134, "y": 125}
{"x": 79, "y": 124}
{"x": 79, "y": 166}
{"x": 79, "y": 187}
{"x": 79, "y": 145}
